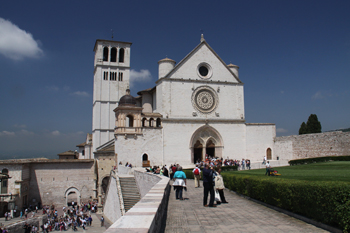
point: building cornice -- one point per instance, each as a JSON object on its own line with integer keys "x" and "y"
{"x": 203, "y": 120}
{"x": 201, "y": 81}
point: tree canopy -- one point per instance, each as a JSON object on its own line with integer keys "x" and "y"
{"x": 312, "y": 125}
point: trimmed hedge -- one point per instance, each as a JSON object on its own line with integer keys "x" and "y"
{"x": 318, "y": 160}
{"x": 189, "y": 173}
{"x": 326, "y": 202}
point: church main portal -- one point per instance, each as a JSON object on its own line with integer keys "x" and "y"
{"x": 205, "y": 141}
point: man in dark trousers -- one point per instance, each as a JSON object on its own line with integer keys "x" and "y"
{"x": 208, "y": 186}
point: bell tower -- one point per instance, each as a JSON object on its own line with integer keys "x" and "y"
{"x": 111, "y": 79}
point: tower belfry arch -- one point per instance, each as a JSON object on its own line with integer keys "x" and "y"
{"x": 205, "y": 140}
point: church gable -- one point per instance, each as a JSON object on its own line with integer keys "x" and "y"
{"x": 203, "y": 64}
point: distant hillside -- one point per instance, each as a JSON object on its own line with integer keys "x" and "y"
{"x": 343, "y": 130}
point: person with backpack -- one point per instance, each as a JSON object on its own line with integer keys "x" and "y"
{"x": 197, "y": 176}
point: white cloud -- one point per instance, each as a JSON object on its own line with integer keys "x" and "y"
{"x": 317, "y": 95}
{"x": 80, "y": 93}
{"x": 26, "y": 132}
{"x": 16, "y": 43}
{"x": 139, "y": 76}
{"x": 52, "y": 88}
{"x": 281, "y": 130}
{"x": 56, "y": 133}
{"x": 7, "y": 133}
{"x": 20, "y": 126}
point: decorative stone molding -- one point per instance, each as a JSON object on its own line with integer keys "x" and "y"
{"x": 205, "y": 99}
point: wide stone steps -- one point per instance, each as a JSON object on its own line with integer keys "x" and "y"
{"x": 130, "y": 192}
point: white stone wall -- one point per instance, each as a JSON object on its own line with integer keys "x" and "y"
{"x": 50, "y": 181}
{"x": 111, "y": 208}
{"x": 314, "y": 145}
{"x": 131, "y": 150}
{"x": 259, "y": 139}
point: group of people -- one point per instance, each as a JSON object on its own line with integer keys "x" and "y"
{"x": 212, "y": 183}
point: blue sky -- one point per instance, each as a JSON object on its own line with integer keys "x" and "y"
{"x": 294, "y": 59}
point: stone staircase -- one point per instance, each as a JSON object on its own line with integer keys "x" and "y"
{"x": 130, "y": 192}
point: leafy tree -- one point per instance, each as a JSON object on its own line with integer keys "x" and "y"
{"x": 313, "y": 125}
{"x": 303, "y": 129}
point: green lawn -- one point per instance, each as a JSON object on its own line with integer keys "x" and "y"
{"x": 327, "y": 171}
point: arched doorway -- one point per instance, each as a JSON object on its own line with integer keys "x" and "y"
{"x": 206, "y": 140}
{"x": 104, "y": 184}
{"x": 72, "y": 194}
{"x": 145, "y": 161}
{"x": 210, "y": 149}
{"x": 268, "y": 154}
{"x": 197, "y": 152}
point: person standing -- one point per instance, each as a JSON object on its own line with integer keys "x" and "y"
{"x": 219, "y": 185}
{"x": 102, "y": 221}
{"x": 208, "y": 184}
{"x": 267, "y": 168}
{"x": 197, "y": 176}
{"x": 180, "y": 182}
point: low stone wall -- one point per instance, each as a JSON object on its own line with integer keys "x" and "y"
{"x": 111, "y": 208}
{"x": 122, "y": 170}
{"x": 313, "y": 145}
{"x": 18, "y": 226}
{"x": 149, "y": 214}
{"x": 145, "y": 181}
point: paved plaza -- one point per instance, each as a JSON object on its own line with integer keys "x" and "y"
{"x": 239, "y": 215}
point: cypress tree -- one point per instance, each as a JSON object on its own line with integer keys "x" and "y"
{"x": 313, "y": 125}
{"x": 303, "y": 129}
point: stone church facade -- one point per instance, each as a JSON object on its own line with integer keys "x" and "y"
{"x": 195, "y": 109}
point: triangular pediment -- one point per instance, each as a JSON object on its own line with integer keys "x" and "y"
{"x": 203, "y": 56}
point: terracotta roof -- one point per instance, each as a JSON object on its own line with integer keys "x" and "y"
{"x": 81, "y": 144}
{"x": 69, "y": 152}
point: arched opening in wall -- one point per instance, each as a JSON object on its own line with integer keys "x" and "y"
{"x": 4, "y": 180}
{"x": 210, "y": 149}
{"x": 72, "y": 194}
{"x": 145, "y": 161}
{"x": 159, "y": 123}
{"x": 197, "y": 152}
{"x": 105, "y": 54}
{"x": 130, "y": 121}
{"x": 104, "y": 185}
{"x": 151, "y": 122}
{"x": 268, "y": 154}
{"x": 121, "y": 55}
{"x": 144, "y": 122}
{"x": 113, "y": 54}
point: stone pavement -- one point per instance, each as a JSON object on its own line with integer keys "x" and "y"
{"x": 239, "y": 215}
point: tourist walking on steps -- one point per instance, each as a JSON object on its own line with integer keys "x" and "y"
{"x": 197, "y": 176}
{"x": 180, "y": 183}
{"x": 208, "y": 184}
{"x": 102, "y": 221}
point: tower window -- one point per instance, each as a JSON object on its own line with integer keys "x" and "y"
{"x": 105, "y": 75}
{"x": 120, "y": 77}
{"x": 121, "y": 55}
{"x": 105, "y": 54}
{"x": 113, "y": 54}
{"x": 113, "y": 76}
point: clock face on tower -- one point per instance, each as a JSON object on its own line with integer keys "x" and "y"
{"x": 204, "y": 99}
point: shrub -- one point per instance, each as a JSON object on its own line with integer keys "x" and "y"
{"x": 327, "y": 202}
{"x": 318, "y": 160}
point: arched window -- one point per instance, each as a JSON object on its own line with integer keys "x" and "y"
{"x": 4, "y": 182}
{"x": 121, "y": 55}
{"x": 159, "y": 122}
{"x": 113, "y": 54}
{"x": 144, "y": 122}
{"x": 268, "y": 154}
{"x": 151, "y": 122}
{"x": 105, "y": 54}
{"x": 144, "y": 157}
{"x": 130, "y": 121}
